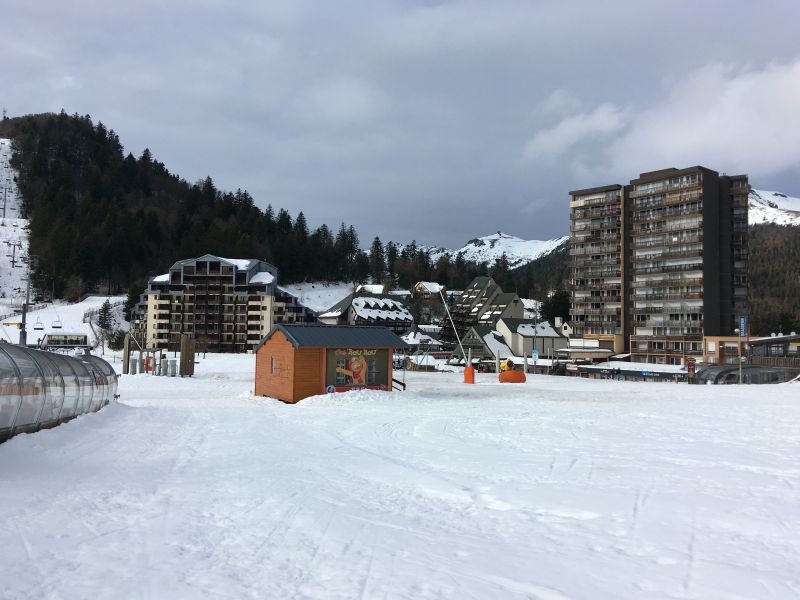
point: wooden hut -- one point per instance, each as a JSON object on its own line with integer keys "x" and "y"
{"x": 295, "y": 361}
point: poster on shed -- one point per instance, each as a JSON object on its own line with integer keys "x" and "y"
{"x": 356, "y": 368}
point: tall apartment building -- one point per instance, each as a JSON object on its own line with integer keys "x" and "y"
{"x": 596, "y": 264}
{"x": 227, "y": 304}
{"x": 661, "y": 262}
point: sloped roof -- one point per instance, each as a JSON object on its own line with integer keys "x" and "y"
{"x": 240, "y": 263}
{"x": 529, "y": 328}
{"x": 496, "y": 345}
{"x": 381, "y": 308}
{"x": 315, "y": 335}
{"x": 431, "y": 286}
{"x": 371, "y": 306}
{"x": 262, "y": 277}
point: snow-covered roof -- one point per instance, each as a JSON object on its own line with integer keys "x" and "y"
{"x": 370, "y": 288}
{"x": 319, "y": 296}
{"x": 262, "y": 277}
{"x": 543, "y": 329}
{"x": 243, "y": 264}
{"x": 431, "y": 286}
{"x": 369, "y": 308}
{"x": 161, "y": 278}
{"x": 419, "y": 338}
{"x": 497, "y": 347}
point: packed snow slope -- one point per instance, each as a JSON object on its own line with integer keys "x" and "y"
{"x": 558, "y": 488}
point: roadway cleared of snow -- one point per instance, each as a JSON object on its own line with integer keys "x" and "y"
{"x": 558, "y": 488}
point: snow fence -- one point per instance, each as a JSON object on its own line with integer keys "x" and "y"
{"x": 42, "y": 389}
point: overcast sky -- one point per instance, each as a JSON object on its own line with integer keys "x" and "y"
{"x": 434, "y": 121}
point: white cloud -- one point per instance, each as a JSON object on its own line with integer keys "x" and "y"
{"x": 727, "y": 120}
{"x": 343, "y": 101}
{"x": 551, "y": 143}
{"x": 561, "y": 102}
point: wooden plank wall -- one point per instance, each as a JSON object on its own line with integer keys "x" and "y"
{"x": 280, "y": 384}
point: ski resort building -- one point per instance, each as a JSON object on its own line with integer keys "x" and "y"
{"x": 297, "y": 361}
{"x": 227, "y": 304}
{"x": 363, "y": 308}
{"x": 481, "y": 304}
{"x": 658, "y": 264}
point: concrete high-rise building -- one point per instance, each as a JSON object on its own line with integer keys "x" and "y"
{"x": 661, "y": 262}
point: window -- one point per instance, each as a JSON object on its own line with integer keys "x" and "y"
{"x": 273, "y": 365}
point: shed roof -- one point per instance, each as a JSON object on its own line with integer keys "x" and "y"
{"x": 315, "y": 335}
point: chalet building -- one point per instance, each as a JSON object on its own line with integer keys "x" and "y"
{"x": 427, "y": 299}
{"x": 362, "y": 308}
{"x": 523, "y": 336}
{"x": 659, "y": 263}
{"x": 482, "y": 342}
{"x": 296, "y": 361}
{"x": 419, "y": 339}
{"x": 226, "y": 304}
{"x": 481, "y": 304}
{"x": 428, "y": 289}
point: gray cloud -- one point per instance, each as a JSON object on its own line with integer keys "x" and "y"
{"x": 434, "y": 121}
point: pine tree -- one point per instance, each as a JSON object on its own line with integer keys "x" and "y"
{"x": 104, "y": 316}
{"x": 502, "y": 274}
{"x": 556, "y": 305}
{"x": 377, "y": 263}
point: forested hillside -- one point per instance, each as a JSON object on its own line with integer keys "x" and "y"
{"x": 774, "y": 279}
{"x": 103, "y": 219}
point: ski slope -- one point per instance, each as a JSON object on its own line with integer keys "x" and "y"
{"x": 558, "y": 488}
{"x": 13, "y": 236}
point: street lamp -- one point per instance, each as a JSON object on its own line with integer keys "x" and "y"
{"x": 739, "y": 347}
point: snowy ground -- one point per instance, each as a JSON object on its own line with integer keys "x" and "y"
{"x": 559, "y": 488}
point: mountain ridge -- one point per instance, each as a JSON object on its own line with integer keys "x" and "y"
{"x": 764, "y": 207}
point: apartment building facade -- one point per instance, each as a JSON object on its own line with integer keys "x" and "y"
{"x": 675, "y": 243}
{"x": 226, "y": 304}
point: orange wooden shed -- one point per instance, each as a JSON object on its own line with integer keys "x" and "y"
{"x": 295, "y": 361}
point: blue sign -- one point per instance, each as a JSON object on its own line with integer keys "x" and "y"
{"x": 742, "y": 326}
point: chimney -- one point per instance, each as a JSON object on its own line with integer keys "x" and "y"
{"x": 559, "y": 322}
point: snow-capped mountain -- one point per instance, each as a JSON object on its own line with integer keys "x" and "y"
{"x": 773, "y": 207}
{"x": 491, "y": 247}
